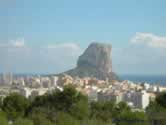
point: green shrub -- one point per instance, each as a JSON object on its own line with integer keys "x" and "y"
{"x": 3, "y": 119}
{"x": 66, "y": 119}
{"x": 21, "y": 121}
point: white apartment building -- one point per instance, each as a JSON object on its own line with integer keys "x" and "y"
{"x": 25, "y": 92}
{"x": 54, "y": 80}
{"x": 116, "y": 96}
{"x": 46, "y": 82}
{"x": 139, "y": 99}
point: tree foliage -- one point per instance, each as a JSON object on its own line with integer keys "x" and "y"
{"x": 70, "y": 107}
{"x": 15, "y": 105}
{"x": 161, "y": 99}
{"x": 69, "y": 100}
{"x": 66, "y": 119}
{"x": 156, "y": 110}
{"x": 3, "y": 118}
{"x": 21, "y": 121}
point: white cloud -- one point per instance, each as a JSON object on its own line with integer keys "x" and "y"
{"x": 150, "y": 40}
{"x": 70, "y": 49}
{"x": 72, "y": 46}
{"x": 146, "y": 55}
{"x": 16, "y": 57}
{"x": 18, "y": 42}
{"x": 56, "y": 58}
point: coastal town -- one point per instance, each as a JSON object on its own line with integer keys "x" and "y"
{"x": 83, "y": 62}
{"x": 136, "y": 95}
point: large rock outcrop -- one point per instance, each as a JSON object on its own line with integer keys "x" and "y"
{"x": 97, "y": 56}
{"x": 96, "y": 62}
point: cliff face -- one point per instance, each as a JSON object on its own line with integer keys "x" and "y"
{"x": 96, "y": 62}
{"x": 97, "y": 56}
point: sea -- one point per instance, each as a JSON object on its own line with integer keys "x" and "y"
{"x": 152, "y": 79}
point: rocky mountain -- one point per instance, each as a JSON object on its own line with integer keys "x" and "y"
{"x": 97, "y": 56}
{"x": 96, "y": 62}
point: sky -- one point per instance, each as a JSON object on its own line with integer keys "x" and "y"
{"x": 39, "y": 36}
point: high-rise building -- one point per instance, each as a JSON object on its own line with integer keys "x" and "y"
{"x": 139, "y": 99}
{"x": 7, "y": 78}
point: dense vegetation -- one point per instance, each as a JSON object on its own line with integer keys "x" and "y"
{"x": 69, "y": 107}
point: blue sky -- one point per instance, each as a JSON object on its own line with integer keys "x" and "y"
{"x": 48, "y": 36}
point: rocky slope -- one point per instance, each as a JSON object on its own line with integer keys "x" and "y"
{"x": 96, "y": 62}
